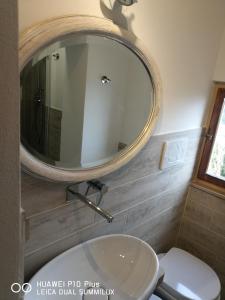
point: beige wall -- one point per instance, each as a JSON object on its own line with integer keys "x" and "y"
{"x": 10, "y": 235}
{"x": 183, "y": 37}
{"x": 219, "y": 74}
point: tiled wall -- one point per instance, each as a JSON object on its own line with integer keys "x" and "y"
{"x": 146, "y": 202}
{"x": 202, "y": 231}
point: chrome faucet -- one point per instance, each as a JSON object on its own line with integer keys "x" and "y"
{"x": 96, "y": 185}
{"x": 127, "y": 2}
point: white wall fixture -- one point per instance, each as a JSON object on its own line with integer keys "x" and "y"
{"x": 173, "y": 153}
{"x": 74, "y": 127}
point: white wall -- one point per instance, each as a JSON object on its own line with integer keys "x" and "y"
{"x": 182, "y": 35}
{"x": 56, "y": 79}
{"x": 73, "y": 104}
{"x": 66, "y": 84}
{"x": 139, "y": 96}
{"x": 104, "y": 104}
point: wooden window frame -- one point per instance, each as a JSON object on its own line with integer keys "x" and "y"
{"x": 209, "y": 140}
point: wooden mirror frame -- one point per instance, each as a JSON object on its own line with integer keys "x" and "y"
{"x": 41, "y": 35}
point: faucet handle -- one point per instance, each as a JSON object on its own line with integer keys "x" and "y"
{"x": 98, "y": 185}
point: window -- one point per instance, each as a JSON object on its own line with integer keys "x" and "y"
{"x": 212, "y": 165}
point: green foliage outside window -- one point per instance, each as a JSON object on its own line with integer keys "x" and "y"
{"x": 222, "y": 171}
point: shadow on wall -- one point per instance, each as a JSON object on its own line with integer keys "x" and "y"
{"x": 114, "y": 12}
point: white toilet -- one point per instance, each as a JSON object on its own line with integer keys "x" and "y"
{"x": 186, "y": 277}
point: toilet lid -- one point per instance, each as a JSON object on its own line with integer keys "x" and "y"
{"x": 190, "y": 276}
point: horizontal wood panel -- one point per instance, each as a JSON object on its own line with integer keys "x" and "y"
{"x": 145, "y": 201}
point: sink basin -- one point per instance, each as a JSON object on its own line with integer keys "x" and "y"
{"x": 115, "y": 267}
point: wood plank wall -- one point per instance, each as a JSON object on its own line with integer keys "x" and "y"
{"x": 145, "y": 201}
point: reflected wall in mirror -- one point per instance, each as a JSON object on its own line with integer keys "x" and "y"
{"x": 84, "y": 99}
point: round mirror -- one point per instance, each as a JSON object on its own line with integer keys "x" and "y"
{"x": 88, "y": 99}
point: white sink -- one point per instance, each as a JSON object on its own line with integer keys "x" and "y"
{"x": 121, "y": 266}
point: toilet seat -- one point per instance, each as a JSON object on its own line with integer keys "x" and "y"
{"x": 189, "y": 276}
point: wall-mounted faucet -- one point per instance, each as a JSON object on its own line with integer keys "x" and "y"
{"x": 97, "y": 185}
{"x": 127, "y": 2}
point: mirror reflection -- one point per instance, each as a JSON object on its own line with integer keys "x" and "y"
{"x": 84, "y": 99}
